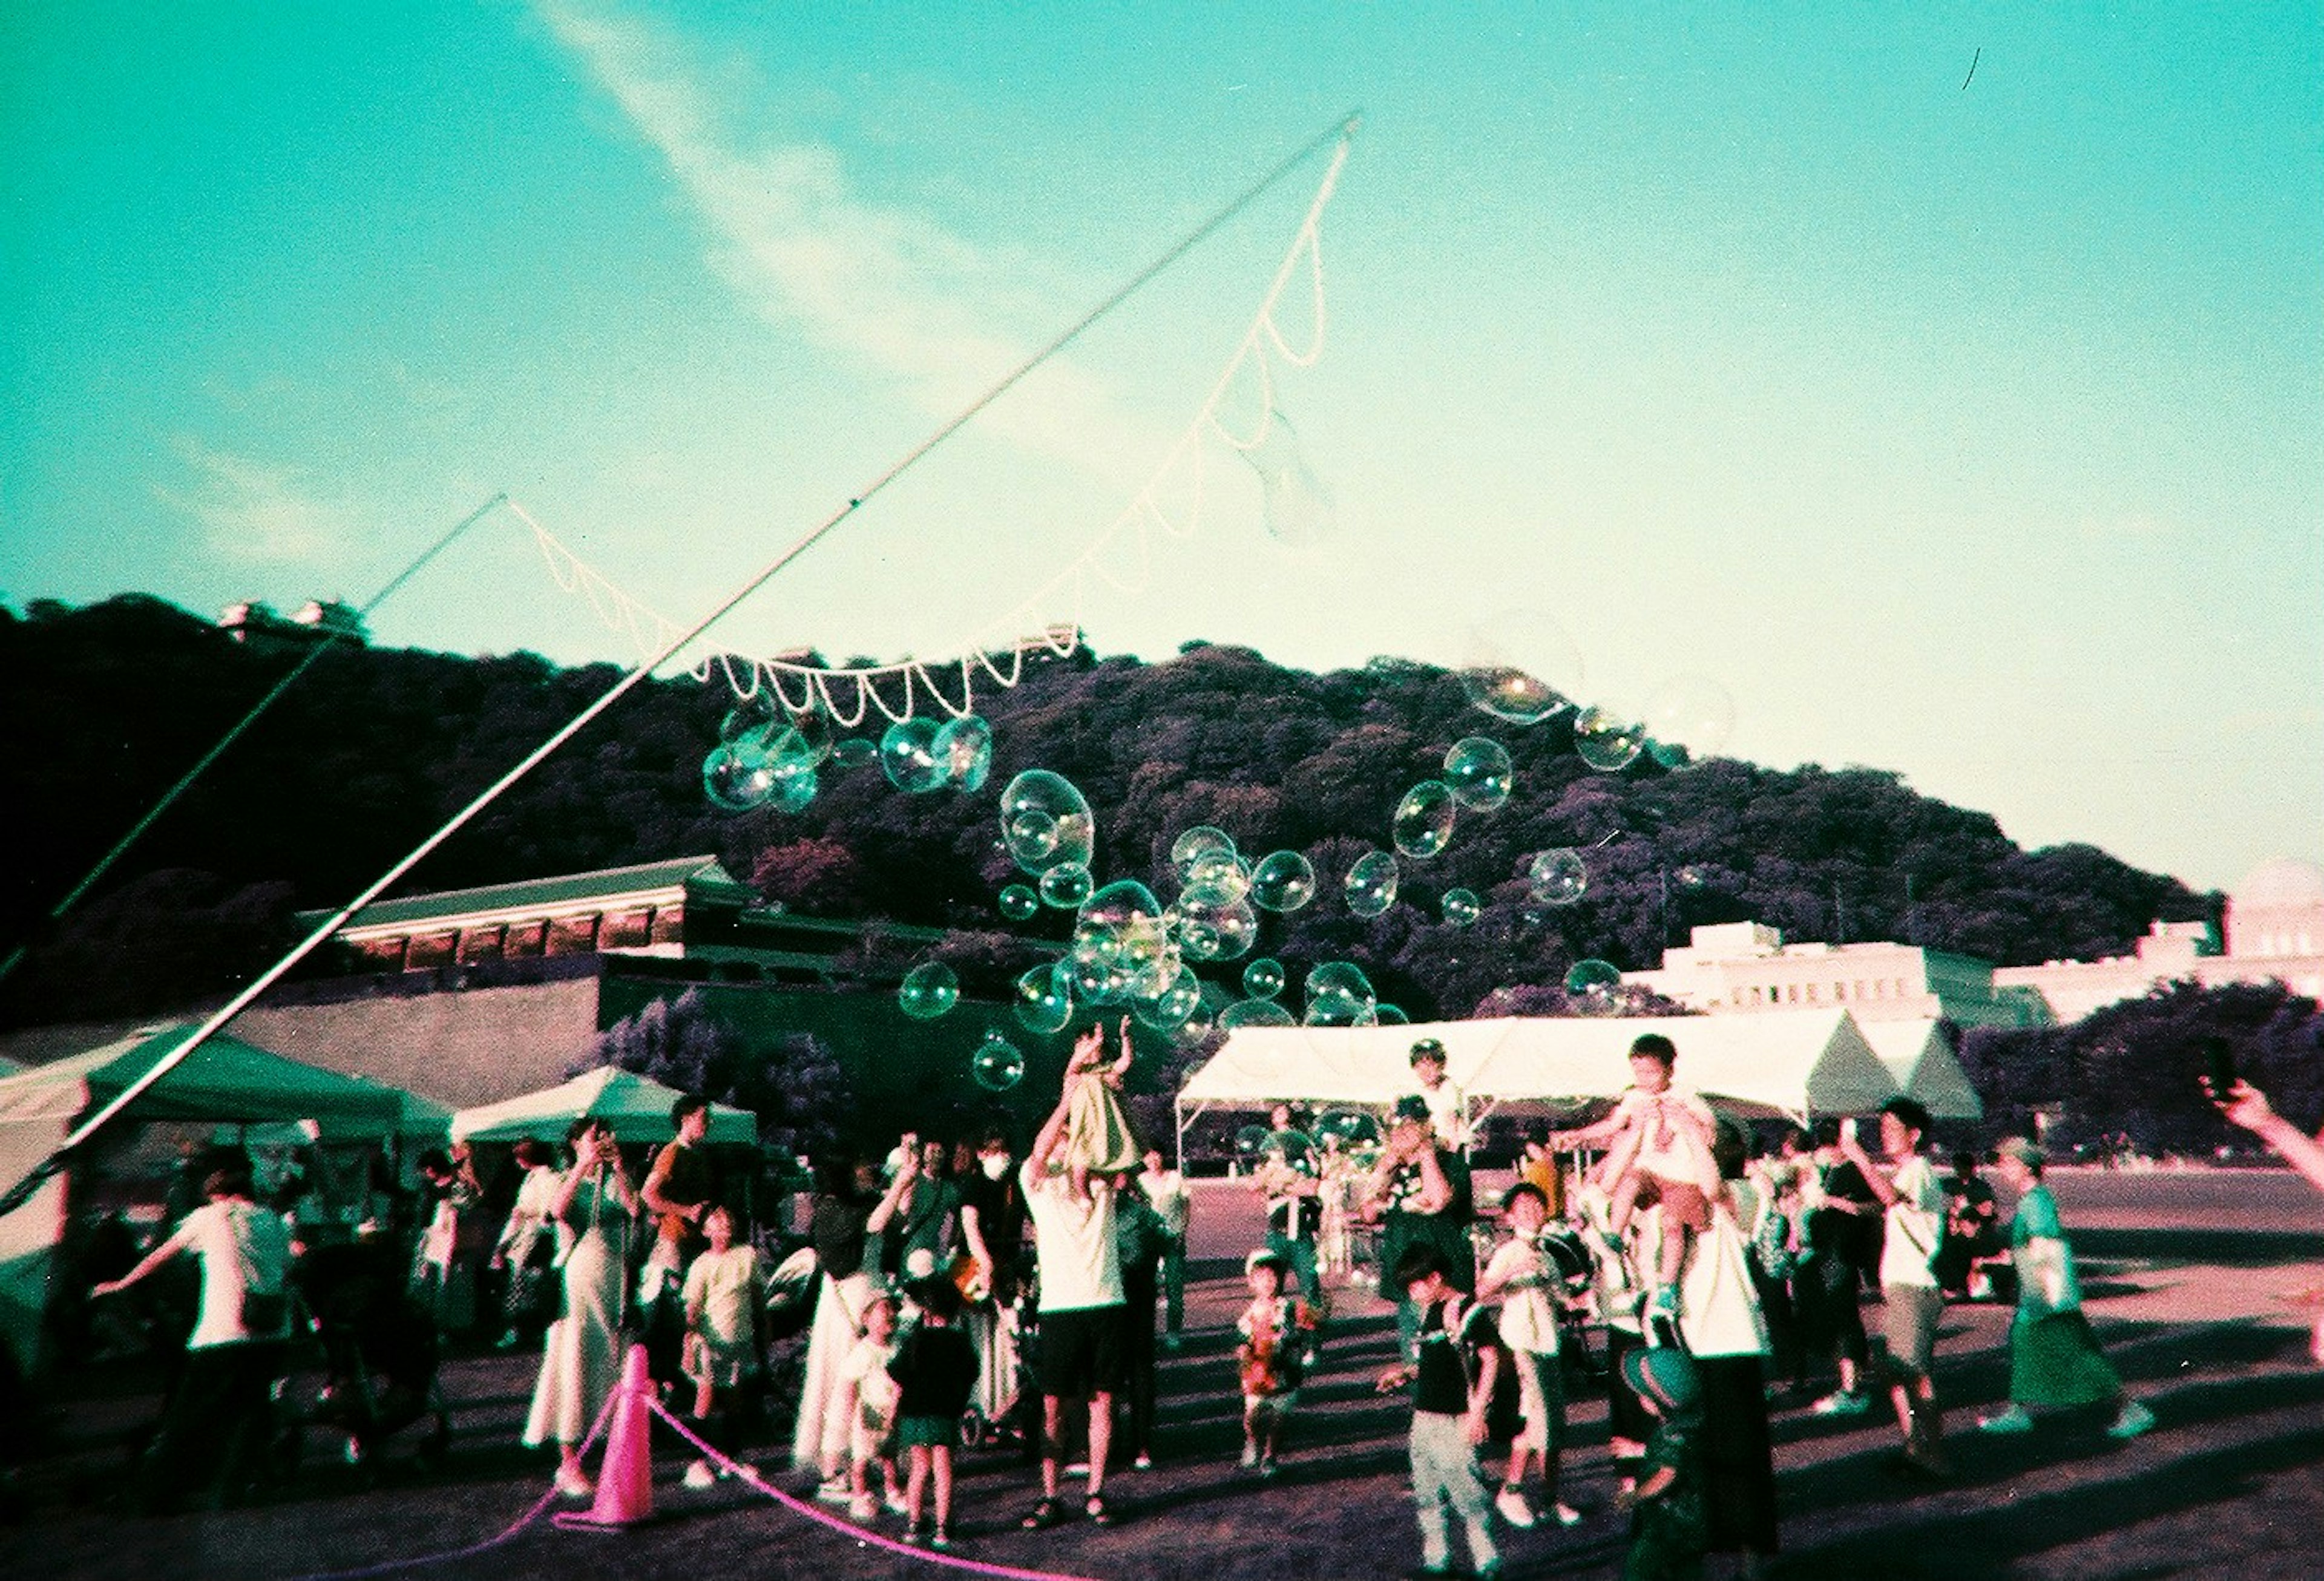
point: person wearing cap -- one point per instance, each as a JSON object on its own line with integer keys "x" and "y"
{"x": 1448, "y": 1105}
{"x": 1418, "y": 1193}
{"x": 1669, "y": 1531}
{"x": 1279, "y": 1342}
{"x": 2053, "y": 1357}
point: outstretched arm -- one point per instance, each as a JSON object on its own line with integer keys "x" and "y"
{"x": 2247, "y": 1106}
{"x": 1086, "y": 1048}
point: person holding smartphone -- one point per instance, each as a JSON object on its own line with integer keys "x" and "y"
{"x": 2249, "y": 1106}
{"x": 581, "y": 1360}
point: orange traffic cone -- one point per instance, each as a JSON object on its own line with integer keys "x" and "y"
{"x": 625, "y": 1479}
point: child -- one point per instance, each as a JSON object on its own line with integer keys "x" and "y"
{"x": 1448, "y": 1413}
{"x": 872, "y": 1423}
{"x": 935, "y": 1370}
{"x": 1279, "y": 1341}
{"x": 1099, "y": 1137}
{"x": 1668, "y": 1533}
{"x": 1661, "y": 1152}
{"x": 724, "y": 1294}
{"x": 1520, "y": 1275}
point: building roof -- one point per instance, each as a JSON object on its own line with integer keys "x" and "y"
{"x": 2285, "y": 881}
{"x": 700, "y": 877}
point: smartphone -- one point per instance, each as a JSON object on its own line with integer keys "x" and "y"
{"x": 2221, "y": 1071}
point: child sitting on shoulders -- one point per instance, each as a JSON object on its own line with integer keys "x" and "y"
{"x": 1278, "y": 1345}
{"x": 1099, "y": 1137}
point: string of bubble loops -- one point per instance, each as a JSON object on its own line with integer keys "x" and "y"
{"x": 1053, "y": 612}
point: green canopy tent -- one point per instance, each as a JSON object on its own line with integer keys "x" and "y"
{"x": 223, "y": 1081}
{"x": 636, "y": 1108}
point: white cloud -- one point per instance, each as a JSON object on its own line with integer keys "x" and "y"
{"x": 883, "y": 286}
{"x": 253, "y": 511}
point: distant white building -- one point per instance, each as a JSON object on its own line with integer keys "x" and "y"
{"x": 2274, "y": 928}
{"x": 2274, "y": 932}
{"x": 1744, "y": 967}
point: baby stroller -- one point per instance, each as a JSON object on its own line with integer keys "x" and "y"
{"x": 379, "y": 1352}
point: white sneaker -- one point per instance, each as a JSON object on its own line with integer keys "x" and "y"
{"x": 574, "y": 1484}
{"x": 1511, "y": 1503}
{"x": 2013, "y": 1421}
{"x": 1565, "y": 1514}
{"x": 700, "y": 1476}
{"x": 1843, "y": 1403}
{"x": 1249, "y": 1454}
{"x": 2134, "y": 1420}
{"x": 836, "y": 1491}
{"x": 893, "y": 1503}
{"x": 863, "y": 1511}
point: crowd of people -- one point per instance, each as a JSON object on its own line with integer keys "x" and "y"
{"x": 951, "y": 1293}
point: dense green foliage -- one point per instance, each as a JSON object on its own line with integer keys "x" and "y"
{"x": 374, "y": 748}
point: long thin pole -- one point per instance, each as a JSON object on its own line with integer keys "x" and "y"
{"x": 185, "y": 781}
{"x": 23, "y": 1190}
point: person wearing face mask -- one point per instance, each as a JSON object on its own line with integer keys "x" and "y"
{"x": 992, "y": 1232}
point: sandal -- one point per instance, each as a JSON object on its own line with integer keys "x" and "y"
{"x": 1095, "y": 1509}
{"x": 1048, "y": 1513}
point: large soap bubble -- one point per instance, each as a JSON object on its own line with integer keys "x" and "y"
{"x": 1339, "y": 994}
{"x": 907, "y": 756}
{"x": 856, "y": 752}
{"x": 1044, "y": 998}
{"x": 1558, "y": 877}
{"x": 1370, "y": 884}
{"x": 1353, "y": 1128}
{"x": 1461, "y": 907}
{"x": 1121, "y": 947}
{"x": 738, "y": 777}
{"x": 963, "y": 747}
{"x": 997, "y": 1064}
{"x": 1044, "y": 820}
{"x": 1263, "y": 978}
{"x": 794, "y": 790}
{"x": 1066, "y": 886}
{"x": 1688, "y": 719}
{"x": 1595, "y": 985}
{"x": 1200, "y": 847}
{"x": 1254, "y": 1013}
{"x": 1521, "y": 666}
{"x": 1169, "y": 1010}
{"x": 1423, "y": 819}
{"x": 1212, "y": 926}
{"x": 1388, "y": 1015}
{"x": 1608, "y": 740}
{"x": 1019, "y": 903}
{"x": 928, "y": 990}
{"x": 1283, "y": 881}
{"x": 1250, "y": 1142}
{"x": 1479, "y": 771}
{"x": 750, "y": 719}
{"x": 1298, "y": 506}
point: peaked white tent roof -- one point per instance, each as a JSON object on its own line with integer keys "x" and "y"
{"x": 1796, "y": 1064}
{"x": 635, "y": 1107}
{"x": 1920, "y": 1056}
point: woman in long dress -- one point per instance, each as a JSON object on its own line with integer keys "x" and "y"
{"x": 819, "y": 1439}
{"x": 582, "y": 1360}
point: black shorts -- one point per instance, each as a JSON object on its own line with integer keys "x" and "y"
{"x": 1081, "y": 1352}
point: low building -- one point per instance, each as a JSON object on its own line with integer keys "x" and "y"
{"x": 1744, "y": 967}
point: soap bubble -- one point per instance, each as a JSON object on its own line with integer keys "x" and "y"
{"x": 1595, "y": 985}
{"x": 1688, "y": 719}
{"x": 1461, "y": 907}
{"x": 1283, "y": 881}
{"x": 1338, "y": 977}
{"x": 1200, "y": 845}
{"x": 1607, "y": 740}
{"x": 737, "y": 778}
{"x": 1339, "y": 994}
{"x": 1019, "y": 903}
{"x": 1370, "y": 884}
{"x": 1213, "y": 927}
{"x": 750, "y": 719}
{"x": 1353, "y": 1128}
{"x": 1254, "y": 1013}
{"x": 1291, "y": 1145}
{"x": 1423, "y": 819}
{"x": 1249, "y": 1140}
{"x": 1066, "y": 886}
{"x": 1122, "y": 948}
{"x": 1263, "y": 978}
{"x": 928, "y": 990}
{"x": 1692, "y": 877}
{"x": 1297, "y": 506}
{"x": 907, "y": 756}
{"x": 964, "y": 748}
{"x": 1168, "y": 1009}
{"x": 856, "y": 752}
{"x": 1045, "y": 999}
{"x": 1388, "y": 1015}
{"x": 997, "y": 1064}
{"x": 1521, "y": 666}
{"x": 1044, "y": 820}
{"x": 1220, "y": 876}
{"x": 794, "y": 791}
{"x": 1478, "y": 769}
{"x": 1558, "y": 877}
{"x": 800, "y": 740}
{"x": 1121, "y": 904}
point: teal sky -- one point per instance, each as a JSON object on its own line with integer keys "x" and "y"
{"x": 1972, "y": 431}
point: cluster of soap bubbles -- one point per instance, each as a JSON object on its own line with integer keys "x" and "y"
{"x": 1521, "y": 666}
{"x": 1298, "y": 504}
{"x": 1337, "y": 993}
{"x": 921, "y": 756}
{"x": 766, "y": 755}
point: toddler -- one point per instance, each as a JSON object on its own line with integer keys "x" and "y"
{"x": 872, "y": 1424}
{"x": 1099, "y": 1137}
{"x": 1278, "y": 1345}
{"x": 935, "y": 1370}
{"x": 724, "y": 1294}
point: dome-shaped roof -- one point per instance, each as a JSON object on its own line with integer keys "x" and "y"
{"x": 2285, "y": 881}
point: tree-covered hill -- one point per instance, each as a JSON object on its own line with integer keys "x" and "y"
{"x": 374, "y": 748}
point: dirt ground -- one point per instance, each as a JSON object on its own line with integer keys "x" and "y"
{"x": 2195, "y": 1282}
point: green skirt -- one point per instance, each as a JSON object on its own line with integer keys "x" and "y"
{"x": 2055, "y": 1360}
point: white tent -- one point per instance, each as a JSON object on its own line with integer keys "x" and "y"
{"x": 1797, "y": 1063}
{"x": 636, "y": 1108}
{"x": 1920, "y": 1057}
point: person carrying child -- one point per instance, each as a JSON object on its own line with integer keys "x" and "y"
{"x": 1669, "y": 1534}
{"x": 722, "y": 1352}
{"x": 1660, "y": 1141}
{"x": 935, "y": 1370}
{"x": 1450, "y": 1401}
{"x": 1278, "y": 1346}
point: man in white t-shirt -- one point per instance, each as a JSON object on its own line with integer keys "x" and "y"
{"x": 1081, "y": 1301}
{"x": 219, "y": 1417}
{"x": 1914, "y": 1201}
